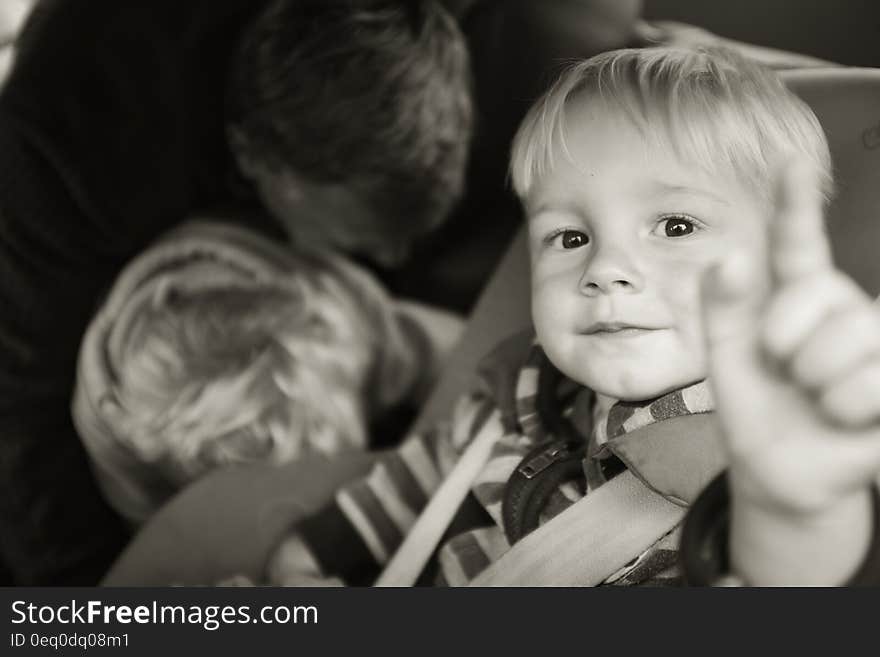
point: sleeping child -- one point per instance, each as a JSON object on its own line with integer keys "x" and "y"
{"x": 217, "y": 346}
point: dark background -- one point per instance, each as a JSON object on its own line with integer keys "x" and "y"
{"x": 843, "y": 31}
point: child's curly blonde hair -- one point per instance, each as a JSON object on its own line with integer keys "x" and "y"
{"x": 217, "y": 347}
{"x": 231, "y": 374}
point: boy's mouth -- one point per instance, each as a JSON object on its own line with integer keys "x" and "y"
{"x": 617, "y": 329}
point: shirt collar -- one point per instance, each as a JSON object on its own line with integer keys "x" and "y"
{"x": 672, "y": 443}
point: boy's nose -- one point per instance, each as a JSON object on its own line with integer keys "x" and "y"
{"x": 611, "y": 272}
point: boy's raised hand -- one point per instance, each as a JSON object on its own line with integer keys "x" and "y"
{"x": 794, "y": 350}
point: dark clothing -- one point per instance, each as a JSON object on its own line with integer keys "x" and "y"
{"x": 111, "y": 131}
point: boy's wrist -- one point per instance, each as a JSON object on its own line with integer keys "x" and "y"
{"x": 771, "y": 545}
{"x": 706, "y": 545}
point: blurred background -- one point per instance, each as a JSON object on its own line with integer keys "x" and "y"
{"x": 843, "y": 31}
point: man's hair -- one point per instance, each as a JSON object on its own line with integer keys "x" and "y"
{"x": 373, "y": 94}
{"x": 711, "y": 106}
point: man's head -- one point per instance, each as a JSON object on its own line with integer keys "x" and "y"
{"x": 352, "y": 118}
{"x": 639, "y": 169}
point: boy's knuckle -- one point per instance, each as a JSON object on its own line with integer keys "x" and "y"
{"x": 834, "y": 398}
{"x": 855, "y": 400}
{"x": 778, "y": 335}
{"x": 809, "y": 370}
{"x": 863, "y": 326}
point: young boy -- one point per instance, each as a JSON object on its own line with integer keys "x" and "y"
{"x": 640, "y": 171}
{"x": 217, "y": 346}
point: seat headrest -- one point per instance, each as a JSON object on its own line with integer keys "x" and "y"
{"x": 847, "y": 103}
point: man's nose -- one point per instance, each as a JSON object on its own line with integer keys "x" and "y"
{"x": 611, "y": 270}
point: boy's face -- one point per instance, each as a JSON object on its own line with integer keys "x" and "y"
{"x": 620, "y": 233}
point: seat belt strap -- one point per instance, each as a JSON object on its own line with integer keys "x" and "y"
{"x": 407, "y": 563}
{"x": 589, "y": 541}
{"x": 581, "y": 546}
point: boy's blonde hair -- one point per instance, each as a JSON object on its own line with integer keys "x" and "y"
{"x": 711, "y": 106}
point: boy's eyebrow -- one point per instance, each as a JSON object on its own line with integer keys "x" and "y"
{"x": 537, "y": 211}
{"x": 551, "y": 208}
{"x": 660, "y": 187}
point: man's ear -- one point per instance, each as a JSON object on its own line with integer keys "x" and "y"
{"x": 242, "y": 151}
{"x": 268, "y": 179}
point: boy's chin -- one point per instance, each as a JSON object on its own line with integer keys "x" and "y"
{"x": 638, "y": 394}
{"x": 636, "y": 388}
{"x": 631, "y": 377}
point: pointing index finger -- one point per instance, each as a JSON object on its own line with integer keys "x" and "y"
{"x": 798, "y": 242}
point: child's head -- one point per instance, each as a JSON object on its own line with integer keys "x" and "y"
{"x": 225, "y": 375}
{"x": 638, "y": 170}
{"x": 353, "y": 117}
{"x": 216, "y": 346}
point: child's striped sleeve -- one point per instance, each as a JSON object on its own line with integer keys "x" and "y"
{"x": 354, "y": 537}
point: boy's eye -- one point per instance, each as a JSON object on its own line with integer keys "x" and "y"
{"x": 570, "y": 239}
{"x": 678, "y": 226}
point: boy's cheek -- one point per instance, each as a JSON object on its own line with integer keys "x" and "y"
{"x": 549, "y": 328}
{"x": 549, "y": 303}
